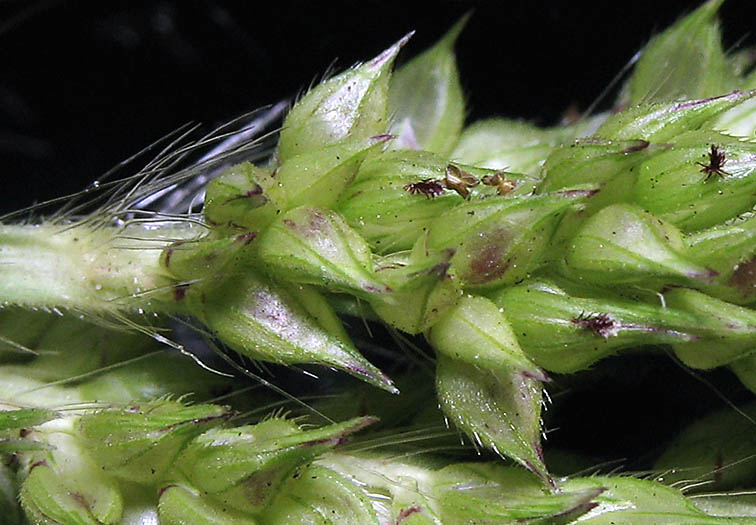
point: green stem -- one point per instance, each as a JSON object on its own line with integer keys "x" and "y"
{"x": 96, "y": 270}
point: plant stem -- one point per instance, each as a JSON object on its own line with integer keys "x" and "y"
{"x": 97, "y": 270}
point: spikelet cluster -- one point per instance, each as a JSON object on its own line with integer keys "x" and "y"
{"x": 515, "y": 254}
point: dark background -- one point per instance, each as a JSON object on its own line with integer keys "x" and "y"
{"x": 85, "y": 84}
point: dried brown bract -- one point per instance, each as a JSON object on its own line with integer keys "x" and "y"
{"x": 459, "y": 180}
{"x": 503, "y": 185}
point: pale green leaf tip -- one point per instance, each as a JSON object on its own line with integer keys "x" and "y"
{"x": 701, "y": 15}
{"x": 713, "y": 6}
{"x": 388, "y": 56}
{"x": 451, "y": 36}
{"x": 362, "y": 369}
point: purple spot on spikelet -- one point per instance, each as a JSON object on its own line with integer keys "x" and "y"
{"x": 179, "y": 292}
{"x": 693, "y": 103}
{"x": 707, "y": 275}
{"x": 639, "y": 145}
{"x": 163, "y": 489}
{"x": 744, "y": 277}
{"x": 246, "y": 238}
{"x": 578, "y": 193}
{"x": 536, "y": 376}
{"x": 382, "y": 138}
{"x": 376, "y": 289}
{"x": 406, "y": 513}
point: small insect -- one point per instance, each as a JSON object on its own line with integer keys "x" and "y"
{"x": 601, "y": 324}
{"x": 502, "y": 184}
{"x": 431, "y": 188}
{"x": 459, "y": 181}
{"x": 717, "y": 159}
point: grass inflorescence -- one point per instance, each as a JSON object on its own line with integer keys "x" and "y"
{"x": 411, "y": 292}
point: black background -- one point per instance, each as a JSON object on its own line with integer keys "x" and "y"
{"x": 86, "y": 84}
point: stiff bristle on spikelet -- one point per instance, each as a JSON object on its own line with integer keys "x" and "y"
{"x": 471, "y": 264}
